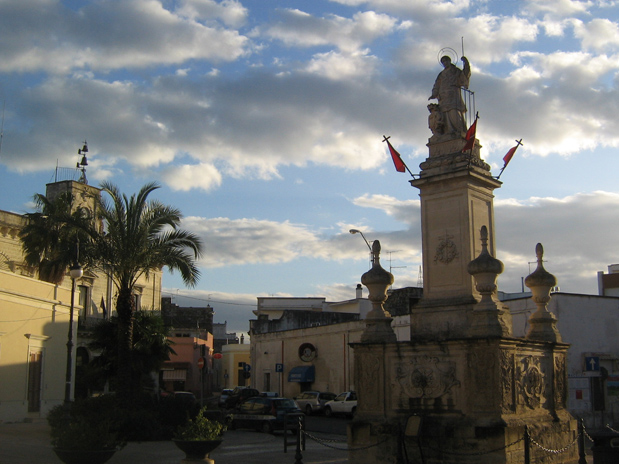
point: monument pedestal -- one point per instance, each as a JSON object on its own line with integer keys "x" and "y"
{"x": 471, "y": 388}
{"x": 473, "y": 397}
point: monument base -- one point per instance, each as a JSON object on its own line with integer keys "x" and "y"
{"x": 482, "y": 401}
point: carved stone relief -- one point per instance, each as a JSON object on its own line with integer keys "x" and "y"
{"x": 531, "y": 382}
{"x": 446, "y": 251}
{"x": 426, "y": 377}
{"x": 507, "y": 382}
{"x": 560, "y": 387}
{"x": 369, "y": 370}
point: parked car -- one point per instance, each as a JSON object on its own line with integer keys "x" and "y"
{"x": 313, "y": 402}
{"x": 265, "y": 413}
{"x": 240, "y": 394}
{"x": 185, "y": 401}
{"x": 224, "y": 396}
{"x": 344, "y": 403}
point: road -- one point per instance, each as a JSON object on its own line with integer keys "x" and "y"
{"x": 27, "y": 443}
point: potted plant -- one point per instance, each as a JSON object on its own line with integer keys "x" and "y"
{"x": 199, "y": 436}
{"x": 78, "y": 439}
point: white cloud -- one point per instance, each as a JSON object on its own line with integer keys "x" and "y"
{"x": 186, "y": 177}
{"x": 342, "y": 66}
{"x": 558, "y": 8}
{"x": 600, "y": 35}
{"x": 107, "y": 35}
{"x": 298, "y": 28}
{"x": 231, "y": 12}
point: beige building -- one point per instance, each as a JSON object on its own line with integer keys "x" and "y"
{"x": 34, "y": 317}
{"x": 300, "y": 344}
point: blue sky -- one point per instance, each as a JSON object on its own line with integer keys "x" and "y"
{"x": 263, "y": 120}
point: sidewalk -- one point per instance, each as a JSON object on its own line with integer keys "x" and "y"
{"x": 28, "y": 443}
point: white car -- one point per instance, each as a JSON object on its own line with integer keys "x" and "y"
{"x": 344, "y": 403}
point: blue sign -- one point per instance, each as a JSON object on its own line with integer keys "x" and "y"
{"x": 246, "y": 367}
{"x": 592, "y": 363}
{"x": 279, "y": 367}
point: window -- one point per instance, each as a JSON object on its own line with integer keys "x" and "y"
{"x": 84, "y": 299}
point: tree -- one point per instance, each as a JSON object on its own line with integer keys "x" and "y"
{"x": 52, "y": 233}
{"x": 150, "y": 349}
{"x": 141, "y": 235}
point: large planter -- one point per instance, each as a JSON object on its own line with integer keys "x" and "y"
{"x": 197, "y": 450}
{"x": 81, "y": 456}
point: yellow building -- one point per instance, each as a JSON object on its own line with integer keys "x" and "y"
{"x": 34, "y": 323}
{"x": 34, "y": 318}
{"x": 231, "y": 369}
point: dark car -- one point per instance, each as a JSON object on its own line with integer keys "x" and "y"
{"x": 224, "y": 396}
{"x": 240, "y": 394}
{"x": 266, "y": 414}
{"x": 312, "y": 402}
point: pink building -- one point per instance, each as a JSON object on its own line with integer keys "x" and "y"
{"x": 191, "y": 368}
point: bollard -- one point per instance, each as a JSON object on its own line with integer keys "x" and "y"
{"x": 298, "y": 457}
{"x": 582, "y": 455}
{"x": 527, "y": 445}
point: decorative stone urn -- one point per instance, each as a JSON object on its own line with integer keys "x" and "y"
{"x": 543, "y": 324}
{"x": 82, "y": 456}
{"x": 490, "y": 317}
{"x": 377, "y": 321}
{"x": 197, "y": 450}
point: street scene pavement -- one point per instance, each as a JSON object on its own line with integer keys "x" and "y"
{"x": 28, "y": 443}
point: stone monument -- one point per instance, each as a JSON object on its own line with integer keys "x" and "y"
{"x": 464, "y": 389}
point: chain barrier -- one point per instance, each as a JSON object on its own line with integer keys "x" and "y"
{"x": 329, "y": 443}
{"x": 325, "y": 442}
{"x": 553, "y": 451}
{"x": 478, "y": 453}
{"x": 611, "y": 429}
{"x": 584, "y": 430}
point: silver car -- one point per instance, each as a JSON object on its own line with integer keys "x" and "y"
{"x": 312, "y": 402}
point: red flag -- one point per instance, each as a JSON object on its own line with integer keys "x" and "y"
{"x": 470, "y": 137}
{"x": 508, "y": 157}
{"x": 397, "y": 160}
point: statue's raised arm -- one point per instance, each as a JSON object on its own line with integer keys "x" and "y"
{"x": 447, "y": 91}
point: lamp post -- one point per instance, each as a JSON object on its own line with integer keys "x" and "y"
{"x": 357, "y": 231}
{"x": 75, "y": 272}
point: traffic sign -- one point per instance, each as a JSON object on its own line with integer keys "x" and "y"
{"x": 279, "y": 367}
{"x": 201, "y": 363}
{"x": 246, "y": 367}
{"x": 592, "y": 363}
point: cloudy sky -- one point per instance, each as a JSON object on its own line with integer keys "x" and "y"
{"x": 262, "y": 120}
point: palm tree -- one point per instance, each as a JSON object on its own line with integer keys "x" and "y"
{"x": 51, "y": 235}
{"x": 141, "y": 236}
{"x": 151, "y": 347}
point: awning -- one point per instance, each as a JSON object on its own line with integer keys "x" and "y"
{"x": 178, "y": 374}
{"x": 302, "y": 374}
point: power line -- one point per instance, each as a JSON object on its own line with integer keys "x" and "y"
{"x": 208, "y": 300}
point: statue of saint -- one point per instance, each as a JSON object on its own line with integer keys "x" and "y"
{"x": 447, "y": 90}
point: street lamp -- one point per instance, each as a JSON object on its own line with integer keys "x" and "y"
{"x": 75, "y": 271}
{"x": 357, "y": 231}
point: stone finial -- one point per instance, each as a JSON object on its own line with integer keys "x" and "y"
{"x": 543, "y": 324}
{"x": 490, "y": 317}
{"x": 540, "y": 277}
{"x": 378, "y": 321}
{"x": 485, "y": 266}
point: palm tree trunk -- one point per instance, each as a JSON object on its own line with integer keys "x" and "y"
{"x": 125, "y": 307}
